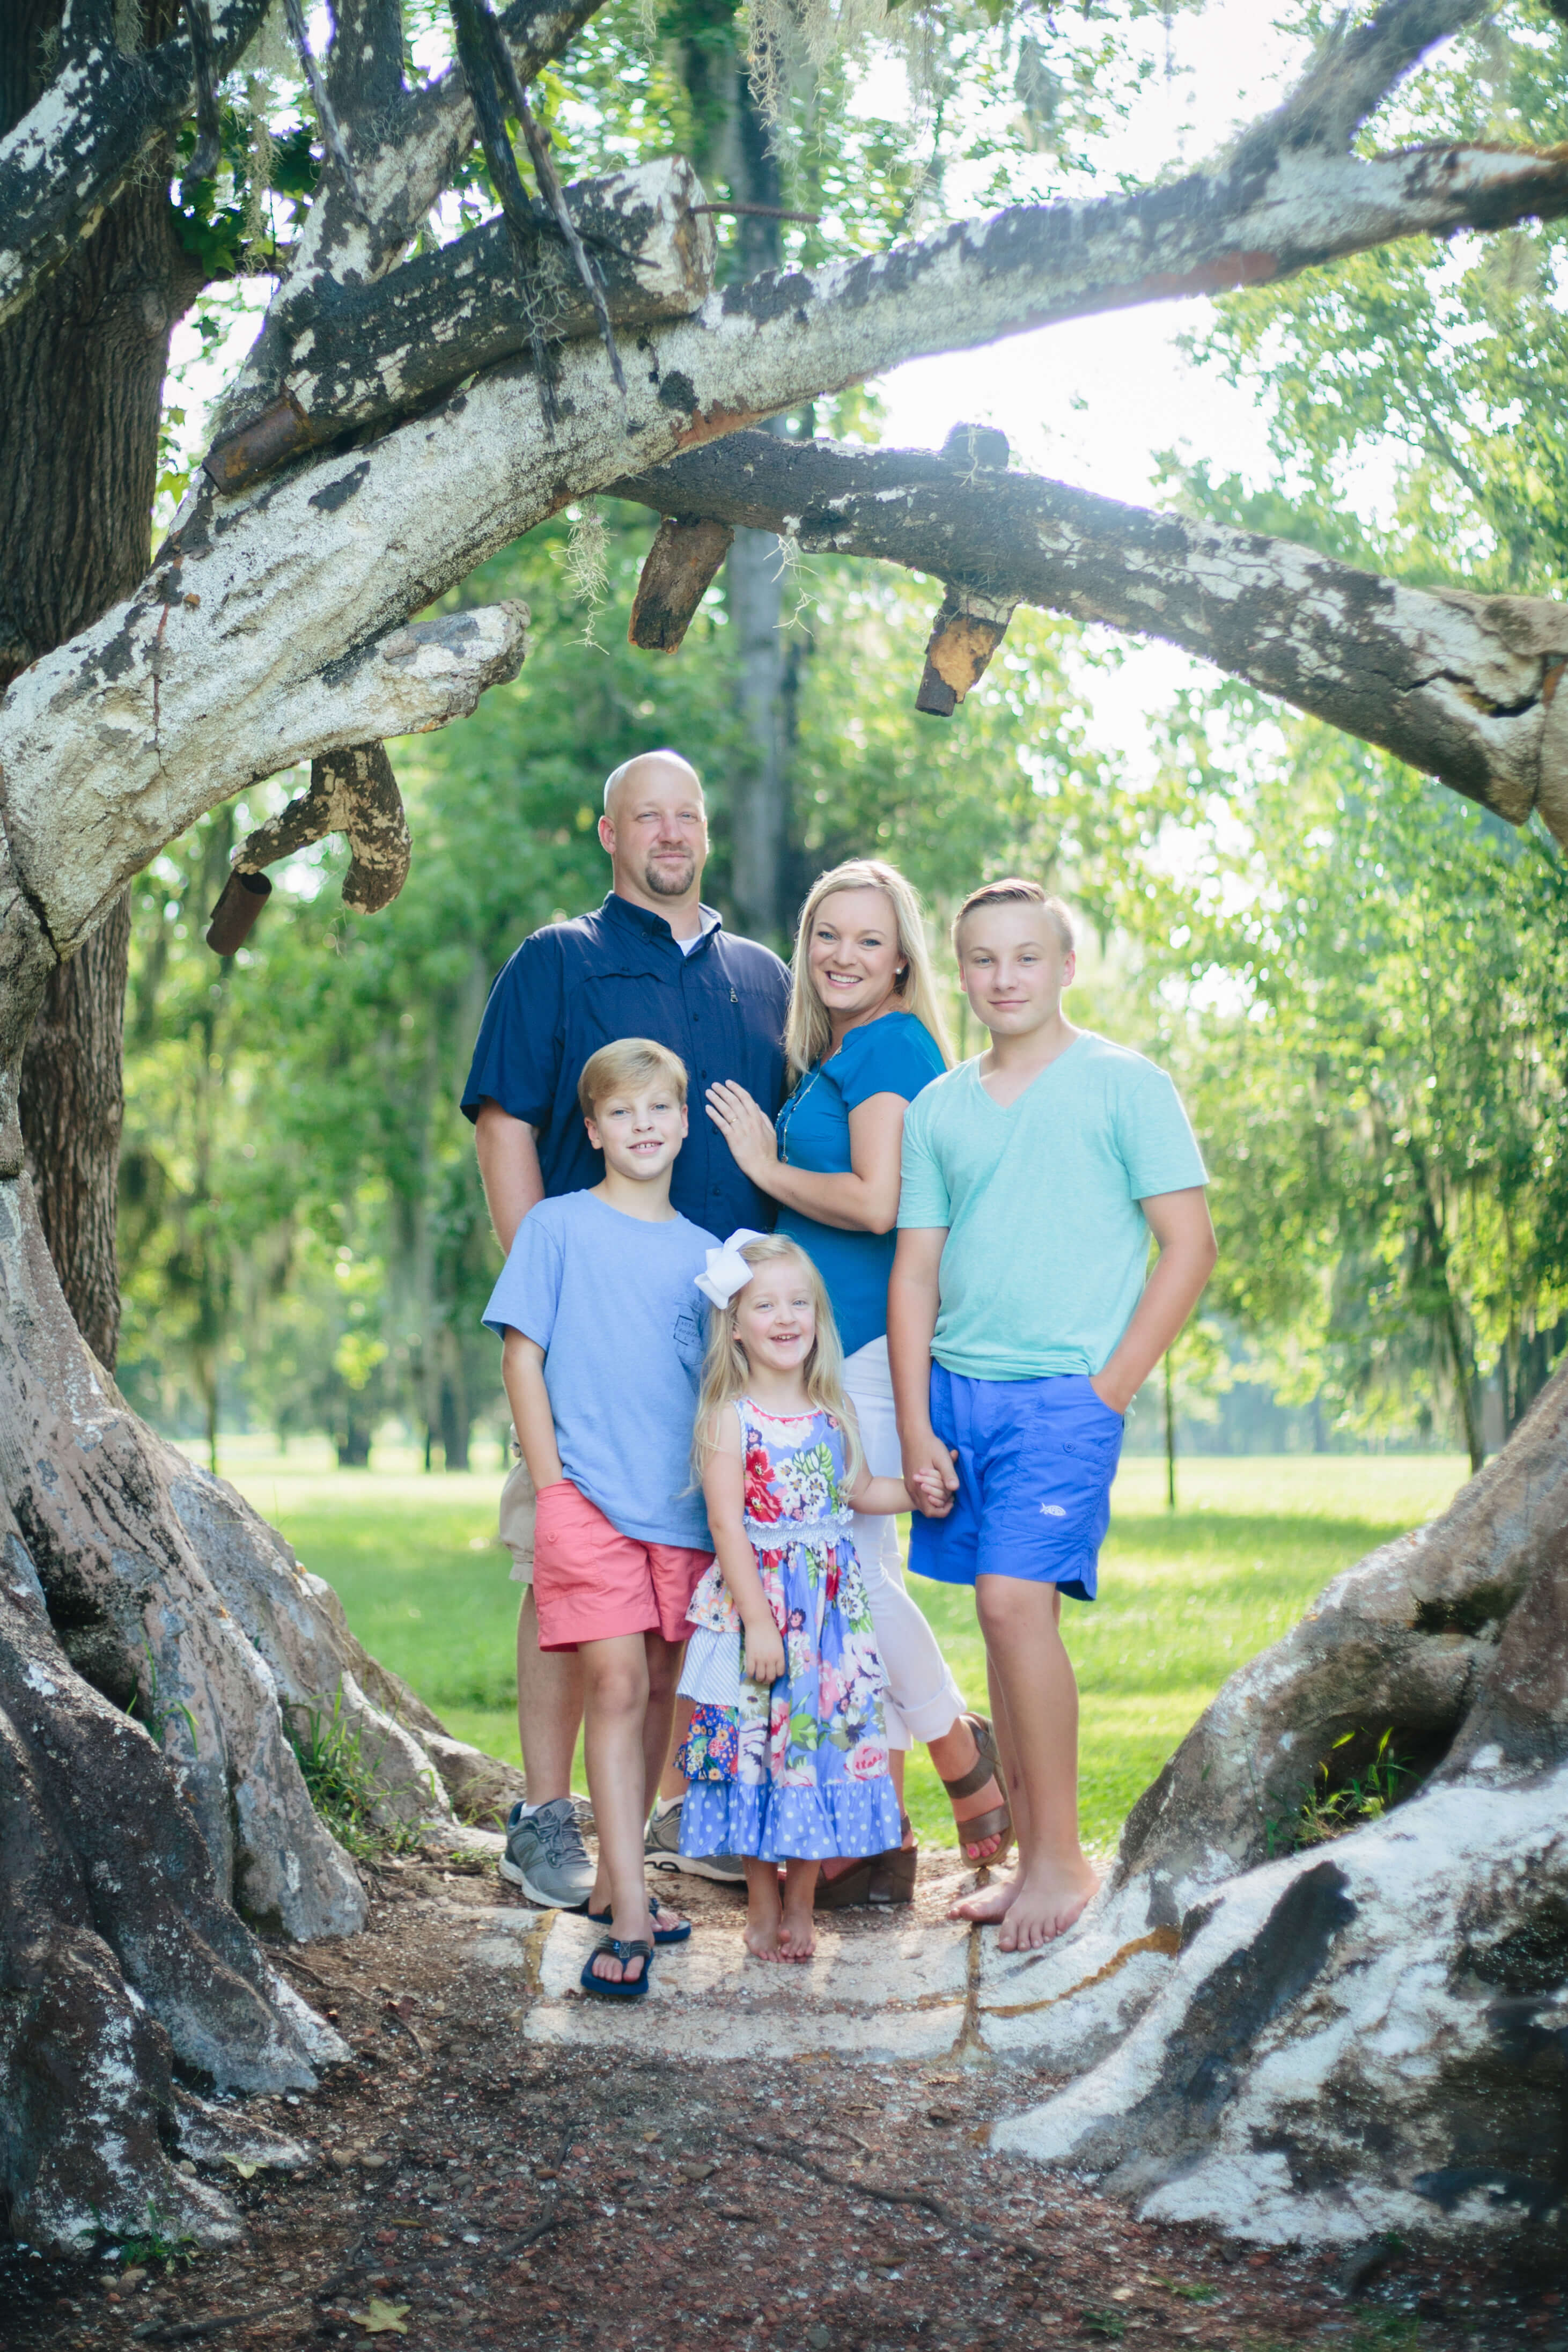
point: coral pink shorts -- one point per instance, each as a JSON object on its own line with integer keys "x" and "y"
{"x": 592, "y": 1582}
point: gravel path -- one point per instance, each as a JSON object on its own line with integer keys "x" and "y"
{"x": 504, "y": 2165}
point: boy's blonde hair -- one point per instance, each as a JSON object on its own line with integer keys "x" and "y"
{"x": 629, "y": 1061}
{"x": 726, "y": 1376}
{"x": 1017, "y": 887}
{"x": 807, "y": 1035}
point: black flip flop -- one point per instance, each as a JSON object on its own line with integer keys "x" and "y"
{"x": 608, "y": 1988}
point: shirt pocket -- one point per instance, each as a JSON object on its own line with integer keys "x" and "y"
{"x": 606, "y": 1006}
{"x": 689, "y": 1333}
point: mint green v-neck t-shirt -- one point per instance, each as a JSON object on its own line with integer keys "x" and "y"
{"x": 1047, "y": 1245}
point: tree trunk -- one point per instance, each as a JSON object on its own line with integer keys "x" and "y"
{"x": 760, "y": 790}
{"x": 131, "y": 1580}
{"x": 72, "y": 1105}
{"x": 81, "y": 383}
{"x": 734, "y": 144}
{"x": 1365, "y": 2036}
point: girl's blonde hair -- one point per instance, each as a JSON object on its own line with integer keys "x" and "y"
{"x": 726, "y": 1376}
{"x": 807, "y": 1035}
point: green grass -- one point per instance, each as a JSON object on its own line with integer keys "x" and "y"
{"x": 1188, "y": 1597}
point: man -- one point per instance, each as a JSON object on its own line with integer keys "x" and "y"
{"x": 652, "y": 962}
{"x": 1022, "y": 1321}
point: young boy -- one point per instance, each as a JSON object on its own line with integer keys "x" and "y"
{"x": 601, "y": 1356}
{"x": 1019, "y": 1330}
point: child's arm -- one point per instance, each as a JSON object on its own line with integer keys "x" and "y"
{"x": 1181, "y": 1224}
{"x": 912, "y": 1302}
{"x": 723, "y": 1491}
{"x": 523, "y": 1370}
{"x": 879, "y": 1499}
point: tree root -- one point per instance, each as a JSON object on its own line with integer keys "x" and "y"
{"x": 153, "y": 1634}
{"x": 1370, "y": 2035}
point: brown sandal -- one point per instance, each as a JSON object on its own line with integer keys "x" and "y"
{"x": 878, "y": 1878}
{"x": 998, "y": 1821}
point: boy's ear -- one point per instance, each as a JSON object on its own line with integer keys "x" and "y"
{"x": 593, "y": 1135}
{"x": 685, "y": 1118}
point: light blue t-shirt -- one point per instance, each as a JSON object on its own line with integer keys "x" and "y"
{"x": 1047, "y": 1247}
{"x": 610, "y": 1298}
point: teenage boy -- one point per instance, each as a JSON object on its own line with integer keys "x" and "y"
{"x": 601, "y": 1355}
{"x": 1019, "y": 1330}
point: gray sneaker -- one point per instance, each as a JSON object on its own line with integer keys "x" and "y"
{"x": 661, "y": 1851}
{"x": 545, "y": 1856}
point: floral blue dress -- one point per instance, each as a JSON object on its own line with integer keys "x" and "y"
{"x": 799, "y": 1771}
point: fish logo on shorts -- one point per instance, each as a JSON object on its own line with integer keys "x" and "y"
{"x": 1053, "y": 1511}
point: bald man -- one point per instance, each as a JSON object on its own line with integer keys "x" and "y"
{"x": 652, "y": 962}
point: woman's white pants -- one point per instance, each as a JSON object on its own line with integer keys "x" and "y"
{"x": 923, "y": 1700}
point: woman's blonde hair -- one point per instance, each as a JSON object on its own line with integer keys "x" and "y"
{"x": 807, "y": 1035}
{"x": 726, "y": 1375}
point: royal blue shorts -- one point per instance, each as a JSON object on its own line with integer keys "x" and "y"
{"x": 1036, "y": 1459}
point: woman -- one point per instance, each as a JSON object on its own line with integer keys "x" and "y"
{"x": 865, "y": 1036}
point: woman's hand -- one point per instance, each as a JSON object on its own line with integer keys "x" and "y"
{"x": 745, "y": 1128}
{"x": 764, "y": 1650}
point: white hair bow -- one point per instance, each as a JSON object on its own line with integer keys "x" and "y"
{"x": 726, "y": 1271}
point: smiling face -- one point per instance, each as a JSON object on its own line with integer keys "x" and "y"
{"x": 655, "y": 830}
{"x": 639, "y": 1129}
{"x": 1013, "y": 966}
{"x": 853, "y": 953}
{"x": 775, "y": 1319}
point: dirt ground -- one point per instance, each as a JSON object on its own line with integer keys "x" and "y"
{"x": 467, "y": 2188}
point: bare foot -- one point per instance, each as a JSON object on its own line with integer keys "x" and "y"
{"x": 763, "y": 1940}
{"x": 797, "y": 1939}
{"x": 986, "y": 1905}
{"x": 663, "y": 1918}
{"x": 1046, "y": 1904}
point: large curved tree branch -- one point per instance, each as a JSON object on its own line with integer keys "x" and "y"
{"x": 1462, "y": 687}
{"x": 266, "y": 599}
{"x": 352, "y": 355}
{"x": 1031, "y": 266}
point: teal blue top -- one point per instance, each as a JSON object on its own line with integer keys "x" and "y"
{"x": 1047, "y": 1245}
{"x": 895, "y": 1054}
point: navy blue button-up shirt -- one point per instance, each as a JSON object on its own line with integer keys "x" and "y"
{"x": 619, "y": 973}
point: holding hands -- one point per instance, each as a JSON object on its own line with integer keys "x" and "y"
{"x": 929, "y": 1475}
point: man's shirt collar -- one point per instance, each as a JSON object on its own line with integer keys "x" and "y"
{"x": 651, "y": 926}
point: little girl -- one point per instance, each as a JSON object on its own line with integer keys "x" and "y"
{"x": 786, "y": 1755}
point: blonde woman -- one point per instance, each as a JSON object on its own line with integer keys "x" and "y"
{"x": 864, "y": 1036}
